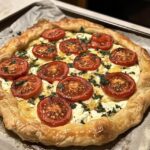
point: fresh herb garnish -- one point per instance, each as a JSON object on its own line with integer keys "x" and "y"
{"x": 53, "y": 94}
{"x": 103, "y": 80}
{"x": 50, "y": 49}
{"x": 73, "y": 74}
{"x": 48, "y": 87}
{"x": 22, "y": 53}
{"x": 82, "y": 121}
{"x": 13, "y": 62}
{"x": 60, "y": 86}
{"x": 5, "y": 69}
{"x": 95, "y": 96}
{"x": 93, "y": 81}
{"x": 82, "y": 72}
{"x": 19, "y": 83}
{"x": 41, "y": 97}
{"x": 59, "y": 58}
{"x": 33, "y": 63}
{"x": 106, "y": 66}
{"x": 70, "y": 65}
{"x": 19, "y": 33}
{"x": 105, "y": 53}
{"x": 31, "y": 101}
{"x": 100, "y": 108}
{"x": 81, "y": 29}
{"x": 117, "y": 106}
{"x": 132, "y": 72}
{"x": 84, "y": 106}
{"x": 73, "y": 105}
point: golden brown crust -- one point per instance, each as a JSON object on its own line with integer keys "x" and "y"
{"x": 95, "y": 132}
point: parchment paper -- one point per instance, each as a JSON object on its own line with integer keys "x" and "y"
{"x": 137, "y": 138}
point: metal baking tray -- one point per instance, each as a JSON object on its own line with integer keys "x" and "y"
{"x": 137, "y": 33}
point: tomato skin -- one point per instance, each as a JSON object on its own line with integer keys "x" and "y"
{"x": 86, "y": 62}
{"x": 16, "y": 67}
{"x": 74, "y": 89}
{"x": 50, "y": 105}
{"x": 123, "y": 57}
{"x": 72, "y": 46}
{"x": 53, "y": 71}
{"x": 53, "y": 34}
{"x": 26, "y": 87}
{"x": 44, "y": 51}
{"x": 121, "y": 86}
{"x": 101, "y": 41}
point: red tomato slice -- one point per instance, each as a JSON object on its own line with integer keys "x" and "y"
{"x": 13, "y": 68}
{"x": 27, "y": 86}
{"x": 120, "y": 85}
{"x": 87, "y": 61}
{"x": 74, "y": 89}
{"x": 101, "y": 41}
{"x": 72, "y": 46}
{"x": 54, "y": 111}
{"x": 53, "y": 71}
{"x": 123, "y": 57}
{"x": 53, "y": 34}
{"x": 44, "y": 51}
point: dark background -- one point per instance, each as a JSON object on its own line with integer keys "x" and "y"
{"x": 135, "y": 11}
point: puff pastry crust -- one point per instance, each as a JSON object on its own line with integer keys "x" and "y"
{"x": 95, "y": 132}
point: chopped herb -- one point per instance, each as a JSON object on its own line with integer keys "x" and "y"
{"x": 5, "y": 80}
{"x": 114, "y": 110}
{"x": 84, "y": 106}
{"x": 104, "y": 115}
{"x": 48, "y": 87}
{"x": 33, "y": 63}
{"x": 13, "y": 62}
{"x": 93, "y": 81}
{"x": 60, "y": 86}
{"x": 82, "y": 121}
{"x": 59, "y": 58}
{"x": 5, "y": 69}
{"x": 100, "y": 108}
{"x": 50, "y": 49}
{"x": 68, "y": 54}
{"x": 73, "y": 74}
{"x": 31, "y": 101}
{"x": 53, "y": 42}
{"x": 22, "y": 54}
{"x": 83, "y": 39}
{"x": 19, "y": 83}
{"x": 95, "y": 96}
{"x": 132, "y": 72}
{"x": 103, "y": 80}
{"x": 82, "y": 72}
{"x": 70, "y": 65}
{"x": 41, "y": 97}
{"x": 53, "y": 94}
{"x": 82, "y": 29}
{"x": 105, "y": 53}
{"x": 106, "y": 66}
{"x": 19, "y": 33}
{"x": 117, "y": 106}
{"x": 124, "y": 67}
{"x": 73, "y": 105}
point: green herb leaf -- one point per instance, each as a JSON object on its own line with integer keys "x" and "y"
{"x": 59, "y": 58}
{"x": 19, "y": 83}
{"x": 33, "y": 63}
{"x": 82, "y": 72}
{"x": 105, "y": 52}
{"x": 53, "y": 94}
{"x": 48, "y": 87}
{"x": 132, "y": 72}
{"x": 95, "y": 96}
{"x": 106, "y": 66}
{"x": 73, "y": 74}
{"x": 73, "y": 105}
{"x": 70, "y": 65}
{"x": 81, "y": 29}
{"x": 31, "y": 101}
{"x": 5, "y": 69}
{"x": 41, "y": 97}
{"x": 84, "y": 106}
{"x": 60, "y": 86}
{"x": 103, "y": 80}
{"x": 22, "y": 53}
{"x": 100, "y": 108}
{"x": 82, "y": 121}
{"x": 117, "y": 106}
{"x": 93, "y": 81}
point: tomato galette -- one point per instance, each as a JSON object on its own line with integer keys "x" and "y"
{"x": 72, "y": 82}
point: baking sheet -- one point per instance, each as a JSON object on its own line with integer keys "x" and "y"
{"x": 135, "y": 139}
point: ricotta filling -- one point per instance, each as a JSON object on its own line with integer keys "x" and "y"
{"x": 98, "y": 105}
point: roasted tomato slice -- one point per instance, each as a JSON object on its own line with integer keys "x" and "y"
{"x": 72, "y": 46}
{"x": 53, "y": 71}
{"x": 27, "y": 86}
{"x": 74, "y": 89}
{"x": 13, "y": 68}
{"x": 44, "y": 51}
{"x": 54, "y": 111}
{"x": 87, "y": 61}
{"x": 123, "y": 57}
{"x": 101, "y": 41}
{"x": 119, "y": 86}
{"x": 53, "y": 34}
